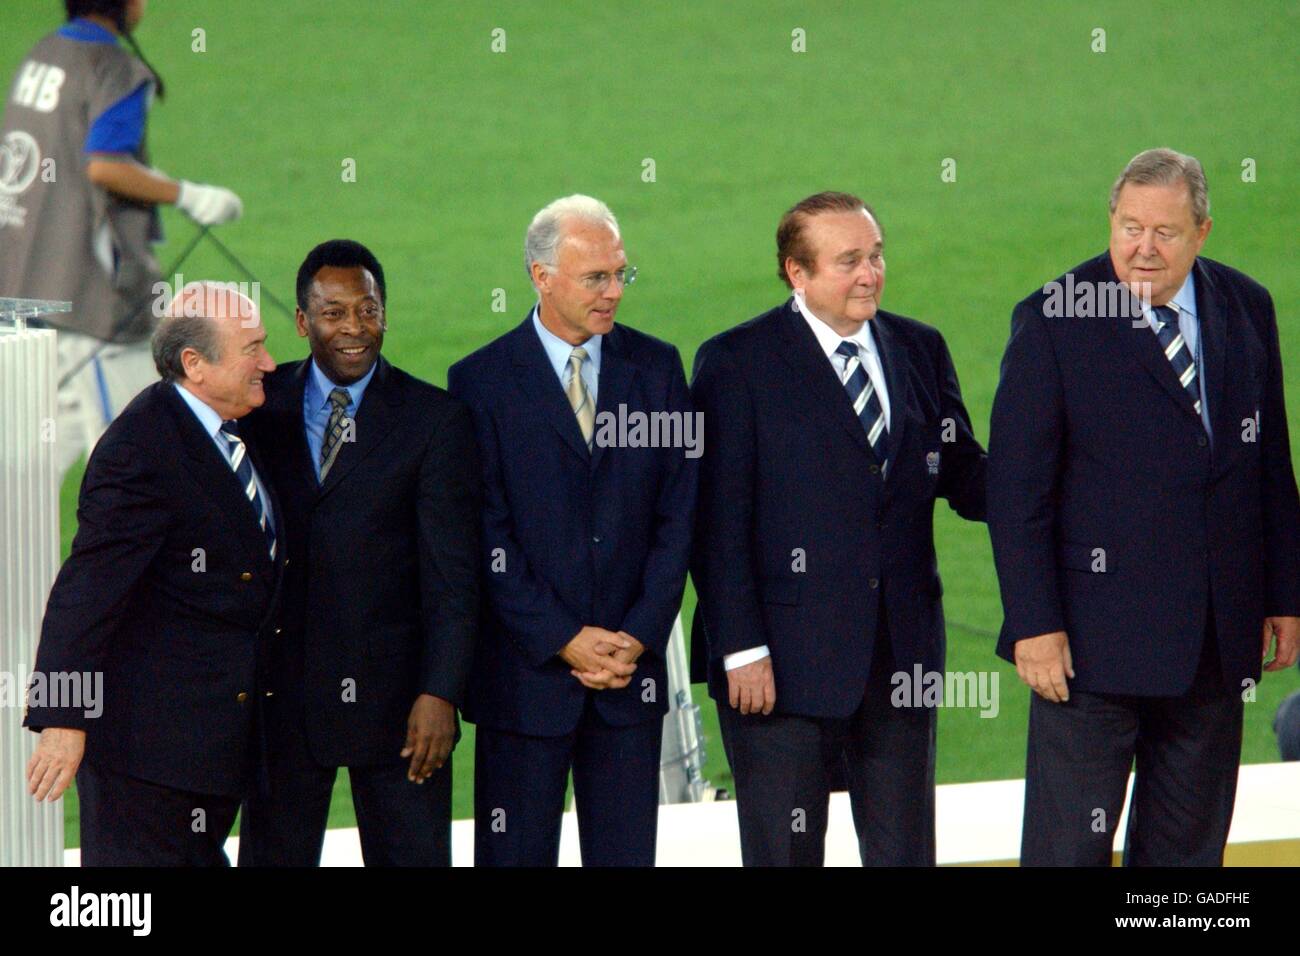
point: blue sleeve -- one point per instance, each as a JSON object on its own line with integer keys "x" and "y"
{"x": 120, "y": 128}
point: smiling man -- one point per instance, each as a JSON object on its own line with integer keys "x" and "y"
{"x": 1144, "y": 517}
{"x": 379, "y": 477}
{"x": 585, "y": 549}
{"x": 833, "y": 426}
{"x": 170, "y": 596}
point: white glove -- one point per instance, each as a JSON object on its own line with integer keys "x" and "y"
{"x": 208, "y": 205}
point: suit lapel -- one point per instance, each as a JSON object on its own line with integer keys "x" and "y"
{"x": 811, "y": 368}
{"x": 375, "y": 419}
{"x": 1212, "y": 317}
{"x": 613, "y": 384}
{"x": 893, "y": 356}
{"x": 536, "y": 378}
{"x": 212, "y": 473}
{"x": 287, "y": 416}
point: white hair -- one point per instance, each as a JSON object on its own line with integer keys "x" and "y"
{"x": 546, "y": 231}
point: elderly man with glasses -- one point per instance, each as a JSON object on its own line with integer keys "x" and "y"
{"x": 586, "y": 538}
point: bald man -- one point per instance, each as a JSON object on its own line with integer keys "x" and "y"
{"x": 148, "y": 679}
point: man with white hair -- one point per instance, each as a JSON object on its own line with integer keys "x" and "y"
{"x": 1144, "y": 515}
{"x": 586, "y": 542}
{"x": 150, "y": 657}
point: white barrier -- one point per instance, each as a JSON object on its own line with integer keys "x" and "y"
{"x": 30, "y": 835}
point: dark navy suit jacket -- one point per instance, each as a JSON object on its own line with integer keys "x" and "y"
{"x": 383, "y": 590}
{"x": 799, "y": 538}
{"x": 170, "y": 593}
{"x": 1113, "y": 516}
{"x": 573, "y": 538}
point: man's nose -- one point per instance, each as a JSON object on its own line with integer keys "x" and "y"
{"x": 1147, "y": 245}
{"x": 266, "y": 363}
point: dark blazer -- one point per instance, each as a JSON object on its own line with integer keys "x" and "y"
{"x": 178, "y": 633}
{"x": 574, "y": 538}
{"x": 385, "y": 591}
{"x": 1096, "y": 452}
{"x": 797, "y": 534}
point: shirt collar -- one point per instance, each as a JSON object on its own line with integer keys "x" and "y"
{"x": 828, "y": 338}
{"x": 1185, "y": 298}
{"x": 320, "y": 386}
{"x": 204, "y": 412}
{"x": 87, "y": 31}
{"x": 558, "y": 350}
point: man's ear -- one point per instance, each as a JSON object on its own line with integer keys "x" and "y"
{"x": 794, "y": 271}
{"x": 192, "y": 362}
{"x": 300, "y": 320}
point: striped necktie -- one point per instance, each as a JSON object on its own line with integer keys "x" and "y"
{"x": 579, "y": 397}
{"x": 333, "y": 441}
{"x": 243, "y": 469}
{"x": 1176, "y": 350}
{"x": 866, "y": 403}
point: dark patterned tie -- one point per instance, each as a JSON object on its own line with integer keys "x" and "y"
{"x": 243, "y": 469}
{"x": 1176, "y": 350}
{"x": 334, "y": 428}
{"x": 866, "y": 403}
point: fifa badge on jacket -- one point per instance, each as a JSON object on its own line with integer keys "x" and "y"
{"x": 932, "y": 462}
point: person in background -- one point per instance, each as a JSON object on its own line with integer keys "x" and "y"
{"x": 78, "y": 210}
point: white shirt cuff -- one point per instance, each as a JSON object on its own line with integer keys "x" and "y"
{"x": 741, "y": 658}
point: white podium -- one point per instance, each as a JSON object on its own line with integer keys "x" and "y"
{"x": 30, "y": 834}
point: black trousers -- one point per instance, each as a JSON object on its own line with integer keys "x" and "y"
{"x": 519, "y": 785}
{"x": 1187, "y": 750}
{"x": 784, "y": 764}
{"x": 130, "y": 822}
{"x": 400, "y": 823}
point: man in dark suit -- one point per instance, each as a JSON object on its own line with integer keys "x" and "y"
{"x": 379, "y": 478}
{"x": 587, "y": 530}
{"x": 167, "y": 603}
{"x": 833, "y": 427}
{"x": 1144, "y": 518}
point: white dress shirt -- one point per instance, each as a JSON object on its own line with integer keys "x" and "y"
{"x": 558, "y": 351}
{"x": 829, "y": 340}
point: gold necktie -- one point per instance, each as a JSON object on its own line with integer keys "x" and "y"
{"x": 579, "y": 398}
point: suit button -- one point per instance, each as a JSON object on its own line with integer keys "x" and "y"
{"x": 595, "y": 539}
{"x": 279, "y": 630}
{"x": 269, "y": 693}
{"x": 874, "y": 468}
{"x": 246, "y": 576}
{"x": 1202, "y": 440}
{"x": 241, "y": 697}
{"x": 873, "y": 583}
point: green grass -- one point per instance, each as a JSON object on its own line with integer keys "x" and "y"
{"x": 456, "y": 147}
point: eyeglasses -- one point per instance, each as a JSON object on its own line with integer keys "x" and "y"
{"x": 599, "y": 281}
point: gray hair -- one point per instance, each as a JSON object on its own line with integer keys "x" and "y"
{"x": 1166, "y": 167}
{"x": 546, "y": 231}
{"x": 177, "y": 333}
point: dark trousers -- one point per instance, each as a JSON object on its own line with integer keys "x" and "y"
{"x": 400, "y": 823}
{"x": 129, "y": 822}
{"x": 519, "y": 785}
{"x": 1187, "y": 750}
{"x": 784, "y": 764}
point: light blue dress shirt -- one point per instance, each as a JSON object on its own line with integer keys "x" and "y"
{"x": 316, "y": 406}
{"x": 211, "y": 423}
{"x": 558, "y": 351}
{"x": 1184, "y": 301}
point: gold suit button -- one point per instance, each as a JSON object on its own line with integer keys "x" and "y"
{"x": 241, "y": 697}
{"x": 246, "y": 576}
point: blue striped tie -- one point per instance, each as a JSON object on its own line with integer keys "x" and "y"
{"x": 1176, "y": 350}
{"x": 243, "y": 468}
{"x": 866, "y": 403}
